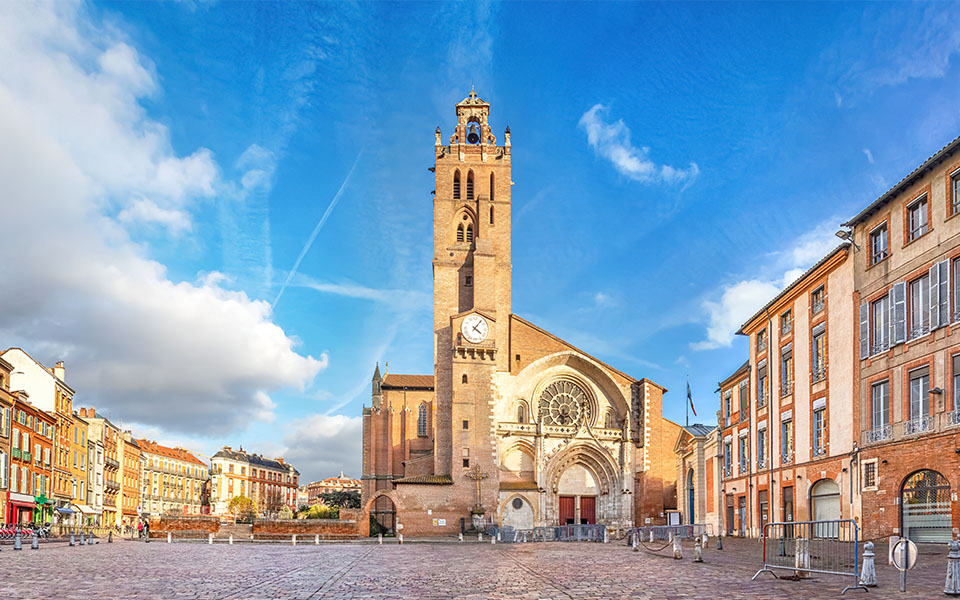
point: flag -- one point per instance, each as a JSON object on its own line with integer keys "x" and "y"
{"x": 690, "y": 399}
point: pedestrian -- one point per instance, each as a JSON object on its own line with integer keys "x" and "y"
{"x": 146, "y": 529}
{"x": 140, "y": 529}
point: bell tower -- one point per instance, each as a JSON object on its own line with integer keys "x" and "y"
{"x": 471, "y": 285}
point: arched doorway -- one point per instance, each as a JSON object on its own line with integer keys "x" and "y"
{"x": 383, "y": 517}
{"x": 691, "y": 498}
{"x": 925, "y": 507}
{"x": 825, "y": 506}
{"x": 577, "y": 493}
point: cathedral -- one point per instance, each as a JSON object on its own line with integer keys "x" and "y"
{"x": 515, "y": 426}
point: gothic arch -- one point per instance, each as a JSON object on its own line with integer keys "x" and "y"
{"x": 506, "y": 502}
{"x": 369, "y": 506}
{"x": 593, "y": 458}
{"x": 585, "y": 368}
{"x": 456, "y": 184}
{"x": 463, "y": 218}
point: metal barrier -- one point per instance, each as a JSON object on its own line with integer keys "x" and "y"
{"x": 804, "y": 547}
{"x": 570, "y": 533}
{"x": 659, "y": 533}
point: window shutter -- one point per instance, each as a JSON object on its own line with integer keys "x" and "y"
{"x": 934, "y": 306}
{"x": 944, "y": 293}
{"x": 899, "y": 313}
{"x": 864, "y": 330}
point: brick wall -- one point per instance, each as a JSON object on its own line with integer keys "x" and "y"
{"x": 166, "y": 523}
{"x": 325, "y": 528}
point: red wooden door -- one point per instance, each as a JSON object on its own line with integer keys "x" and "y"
{"x": 567, "y": 510}
{"x": 588, "y": 510}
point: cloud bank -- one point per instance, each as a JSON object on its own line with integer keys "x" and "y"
{"x": 80, "y": 162}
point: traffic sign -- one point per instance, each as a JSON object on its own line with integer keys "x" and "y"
{"x": 898, "y": 551}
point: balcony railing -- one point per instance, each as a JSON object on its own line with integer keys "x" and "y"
{"x": 819, "y": 450}
{"x": 819, "y": 372}
{"x": 877, "y": 434}
{"x": 952, "y": 418}
{"x": 111, "y": 462}
{"x": 744, "y": 468}
{"x": 818, "y": 305}
{"x": 786, "y": 459}
{"x": 881, "y": 346}
{"x": 786, "y": 388}
{"x": 786, "y": 327}
{"x": 918, "y": 425}
{"x": 761, "y": 345}
{"x": 761, "y": 463}
{"x": 727, "y": 470}
{"x": 919, "y": 330}
{"x": 744, "y": 413}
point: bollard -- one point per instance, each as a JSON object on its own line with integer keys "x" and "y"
{"x": 720, "y": 541}
{"x": 651, "y": 536}
{"x": 316, "y": 540}
{"x": 493, "y": 539}
{"x": 868, "y": 575}
{"x": 210, "y": 539}
{"x": 146, "y": 537}
{"x": 605, "y": 539}
{"x": 893, "y": 542}
{"x": 17, "y": 544}
{"x": 460, "y": 536}
{"x": 698, "y": 551}
{"x": 35, "y": 544}
{"x": 71, "y": 540}
{"x": 802, "y": 559}
{"x": 380, "y": 538}
{"x": 169, "y": 538}
{"x": 952, "y": 585}
{"x": 677, "y": 548}
{"x": 82, "y": 541}
{"x": 480, "y": 537}
{"x": 294, "y": 539}
{"x": 400, "y": 535}
{"x": 499, "y": 539}
{"x": 524, "y": 537}
{"x": 110, "y": 537}
{"x": 231, "y": 540}
{"x": 633, "y": 541}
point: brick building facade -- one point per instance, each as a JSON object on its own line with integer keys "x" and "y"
{"x": 907, "y": 276}
{"x": 515, "y": 426}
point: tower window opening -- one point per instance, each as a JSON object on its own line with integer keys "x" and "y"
{"x": 491, "y": 190}
{"x": 464, "y": 378}
{"x": 456, "y": 185}
{"x": 521, "y": 417}
{"x": 460, "y": 233}
{"x": 469, "y": 233}
{"x": 491, "y": 215}
{"x": 470, "y": 185}
{"x": 468, "y": 280}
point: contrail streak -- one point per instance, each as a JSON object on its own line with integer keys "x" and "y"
{"x": 316, "y": 230}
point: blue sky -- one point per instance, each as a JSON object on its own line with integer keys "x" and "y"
{"x": 675, "y": 164}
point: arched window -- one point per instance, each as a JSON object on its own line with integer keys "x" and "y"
{"x": 609, "y": 421}
{"x": 460, "y": 233}
{"x": 422, "y": 421}
{"x": 521, "y": 414}
{"x": 925, "y": 507}
{"x": 470, "y": 185}
{"x": 491, "y": 215}
{"x": 464, "y": 378}
{"x": 456, "y": 185}
{"x": 469, "y": 233}
{"x": 491, "y": 189}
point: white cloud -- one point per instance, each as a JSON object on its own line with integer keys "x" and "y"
{"x": 868, "y": 154}
{"x": 612, "y": 141}
{"x": 741, "y": 300}
{"x": 603, "y": 300}
{"x": 322, "y": 445}
{"x": 145, "y": 211}
{"x": 78, "y": 148}
{"x": 395, "y": 299}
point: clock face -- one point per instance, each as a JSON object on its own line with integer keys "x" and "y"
{"x": 474, "y": 328}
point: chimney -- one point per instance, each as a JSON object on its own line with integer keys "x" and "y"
{"x": 228, "y": 448}
{"x": 60, "y": 372}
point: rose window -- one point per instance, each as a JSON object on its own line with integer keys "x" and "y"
{"x": 564, "y": 403}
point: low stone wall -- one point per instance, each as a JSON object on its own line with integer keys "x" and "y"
{"x": 327, "y": 529}
{"x": 166, "y": 523}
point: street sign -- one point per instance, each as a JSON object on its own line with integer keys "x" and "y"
{"x": 898, "y": 551}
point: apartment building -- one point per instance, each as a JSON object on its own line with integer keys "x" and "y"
{"x": 6, "y": 416}
{"x": 271, "y": 483}
{"x": 173, "y": 480}
{"x": 907, "y": 288}
{"x": 131, "y": 471}
{"x": 31, "y": 462}
{"x": 787, "y": 414}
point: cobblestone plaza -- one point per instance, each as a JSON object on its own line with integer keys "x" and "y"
{"x": 127, "y": 570}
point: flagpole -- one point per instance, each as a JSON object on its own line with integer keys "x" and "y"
{"x": 686, "y": 404}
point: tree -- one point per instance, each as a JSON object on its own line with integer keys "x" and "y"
{"x": 242, "y": 508}
{"x": 273, "y": 502}
{"x": 349, "y": 499}
{"x": 286, "y": 513}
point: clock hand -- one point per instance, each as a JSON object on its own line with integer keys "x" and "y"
{"x": 475, "y": 329}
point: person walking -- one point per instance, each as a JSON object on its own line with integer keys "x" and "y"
{"x": 140, "y": 529}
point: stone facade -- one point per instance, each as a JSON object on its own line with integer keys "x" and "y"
{"x": 515, "y": 426}
{"x": 696, "y": 460}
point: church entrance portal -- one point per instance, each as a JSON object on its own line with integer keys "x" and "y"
{"x": 568, "y": 510}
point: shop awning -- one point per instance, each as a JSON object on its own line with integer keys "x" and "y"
{"x": 22, "y": 504}
{"x": 65, "y": 510}
{"x": 87, "y": 510}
